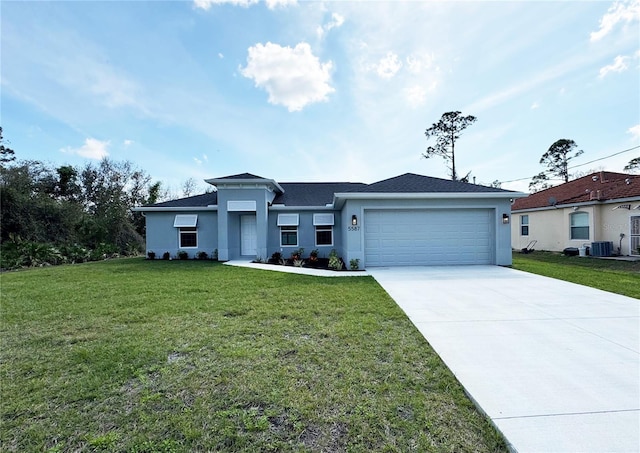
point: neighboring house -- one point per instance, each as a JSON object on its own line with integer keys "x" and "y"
{"x": 600, "y": 207}
{"x": 406, "y": 220}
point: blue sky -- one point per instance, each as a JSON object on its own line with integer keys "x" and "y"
{"x": 319, "y": 91}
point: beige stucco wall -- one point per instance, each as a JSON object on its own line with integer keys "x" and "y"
{"x": 551, "y": 227}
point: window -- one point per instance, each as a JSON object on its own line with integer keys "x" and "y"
{"x": 524, "y": 225}
{"x": 324, "y": 235}
{"x": 188, "y": 237}
{"x": 324, "y": 228}
{"x": 289, "y": 235}
{"x": 580, "y": 225}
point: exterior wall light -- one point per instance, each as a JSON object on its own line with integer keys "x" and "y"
{"x": 505, "y": 219}
{"x": 354, "y": 219}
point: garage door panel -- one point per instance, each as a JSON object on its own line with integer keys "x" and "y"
{"x": 428, "y": 237}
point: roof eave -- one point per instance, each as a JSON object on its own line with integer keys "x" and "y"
{"x": 174, "y": 208}
{"x": 582, "y": 203}
{"x": 340, "y": 198}
{"x": 253, "y": 181}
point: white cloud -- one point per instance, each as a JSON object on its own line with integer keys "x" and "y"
{"x": 635, "y": 131}
{"x": 619, "y": 64}
{"x": 620, "y": 11}
{"x": 388, "y": 66}
{"x": 220, "y": 55}
{"x": 92, "y": 149}
{"x": 292, "y": 77}
{"x": 271, "y": 4}
{"x": 535, "y": 105}
{"x": 206, "y": 4}
{"x": 416, "y": 63}
{"x": 336, "y": 21}
{"x": 197, "y": 161}
{"x": 127, "y": 142}
{"x": 416, "y": 95}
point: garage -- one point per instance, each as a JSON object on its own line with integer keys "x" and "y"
{"x": 428, "y": 237}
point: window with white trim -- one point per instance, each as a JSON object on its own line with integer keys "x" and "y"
{"x": 524, "y": 225}
{"x": 579, "y": 225}
{"x": 324, "y": 235}
{"x": 187, "y": 230}
{"x": 323, "y": 223}
{"x": 188, "y": 237}
{"x": 288, "y": 224}
{"x": 289, "y": 236}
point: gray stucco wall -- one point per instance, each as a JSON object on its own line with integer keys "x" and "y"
{"x": 229, "y": 222}
{"x": 162, "y": 236}
{"x": 354, "y": 236}
{"x": 306, "y": 234}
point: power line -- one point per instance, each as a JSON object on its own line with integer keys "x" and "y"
{"x": 580, "y": 165}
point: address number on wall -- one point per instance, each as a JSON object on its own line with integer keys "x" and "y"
{"x": 354, "y": 228}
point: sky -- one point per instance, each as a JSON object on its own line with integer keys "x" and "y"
{"x": 319, "y": 91}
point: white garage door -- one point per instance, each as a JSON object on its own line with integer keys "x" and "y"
{"x": 428, "y": 237}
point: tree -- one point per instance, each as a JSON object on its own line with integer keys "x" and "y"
{"x": 558, "y": 156}
{"x": 6, "y": 154}
{"x": 539, "y": 182}
{"x": 446, "y": 131}
{"x": 634, "y": 164}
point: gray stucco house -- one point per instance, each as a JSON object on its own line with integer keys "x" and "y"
{"x": 406, "y": 220}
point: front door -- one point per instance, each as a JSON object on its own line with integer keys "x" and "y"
{"x": 248, "y": 235}
{"x": 634, "y": 237}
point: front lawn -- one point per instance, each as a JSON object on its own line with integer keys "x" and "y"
{"x": 621, "y": 277}
{"x": 163, "y": 356}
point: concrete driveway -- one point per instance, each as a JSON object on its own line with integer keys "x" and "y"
{"x": 555, "y": 365}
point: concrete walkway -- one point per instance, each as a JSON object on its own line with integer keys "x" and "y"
{"x": 555, "y": 365}
{"x": 295, "y": 270}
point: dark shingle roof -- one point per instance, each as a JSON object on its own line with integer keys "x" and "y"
{"x": 600, "y": 186}
{"x": 412, "y": 183}
{"x": 313, "y": 193}
{"x": 322, "y": 193}
{"x": 203, "y": 200}
{"x": 242, "y": 176}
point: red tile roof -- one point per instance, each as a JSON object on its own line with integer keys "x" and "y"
{"x": 596, "y": 187}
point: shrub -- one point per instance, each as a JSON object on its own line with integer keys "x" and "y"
{"x": 202, "y": 255}
{"x": 297, "y": 254}
{"x": 335, "y": 262}
{"x": 75, "y": 253}
{"x": 183, "y": 255}
{"x": 276, "y": 257}
{"x": 166, "y": 256}
{"x": 354, "y": 264}
{"x": 214, "y": 255}
{"x": 151, "y": 255}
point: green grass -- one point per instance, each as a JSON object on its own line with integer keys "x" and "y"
{"x": 168, "y": 356}
{"x": 621, "y": 277}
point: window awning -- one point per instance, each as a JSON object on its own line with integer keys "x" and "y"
{"x": 185, "y": 220}
{"x": 288, "y": 219}
{"x": 323, "y": 219}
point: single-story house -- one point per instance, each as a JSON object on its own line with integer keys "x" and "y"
{"x": 600, "y": 207}
{"x": 401, "y": 221}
